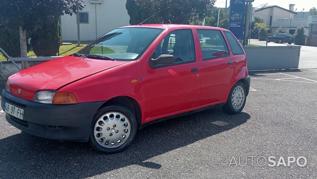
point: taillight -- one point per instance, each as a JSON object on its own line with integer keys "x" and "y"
{"x": 64, "y": 98}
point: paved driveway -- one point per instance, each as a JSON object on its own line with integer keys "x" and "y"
{"x": 280, "y": 120}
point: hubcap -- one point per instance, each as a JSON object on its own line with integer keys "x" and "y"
{"x": 238, "y": 97}
{"x": 112, "y": 130}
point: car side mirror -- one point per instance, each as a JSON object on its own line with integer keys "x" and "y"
{"x": 220, "y": 54}
{"x": 162, "y": 60}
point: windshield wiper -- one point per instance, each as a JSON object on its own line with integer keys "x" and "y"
{"x": 94, "y": 56}
{"x": 79, "y": 55}
{"x": 100, "y": 57}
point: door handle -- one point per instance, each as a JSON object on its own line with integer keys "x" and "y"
{"x": 195, "y": 70}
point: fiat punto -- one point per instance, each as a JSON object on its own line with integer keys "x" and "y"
{"x": 130, "y": 77}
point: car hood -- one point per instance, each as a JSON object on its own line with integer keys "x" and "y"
{"x": 59, "y": 72}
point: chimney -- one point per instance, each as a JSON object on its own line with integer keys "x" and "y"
{"x": 292, "y": 7}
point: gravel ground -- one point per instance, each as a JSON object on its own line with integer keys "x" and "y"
{"x": 280, "y": 120}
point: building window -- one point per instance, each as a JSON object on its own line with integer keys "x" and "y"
{"x": 83, "y": 18}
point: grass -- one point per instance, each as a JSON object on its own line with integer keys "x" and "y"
{"x": 64, "y": 50}
{"x": 2, "y": 58}
{"x": 101, "y": 50}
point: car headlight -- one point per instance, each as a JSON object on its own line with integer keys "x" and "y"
{"x": 45, "y": 97}
{"x": 52, "y": 97}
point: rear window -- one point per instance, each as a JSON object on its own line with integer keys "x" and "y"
{"x": 211, "y": 43}
{"x": 234, "y": 44}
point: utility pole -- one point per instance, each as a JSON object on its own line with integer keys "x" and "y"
{"x": 78, "y": 29}
{"x": 218, "y": 19}
{"x": 96, "y": 3}
{"x": 226, "y": 12}
{"x": 96, "y": 22}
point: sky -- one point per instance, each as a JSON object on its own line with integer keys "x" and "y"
{"x": 299, "y": 4}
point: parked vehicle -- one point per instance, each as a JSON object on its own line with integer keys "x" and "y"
{"x": 130, "y": 77}
{"x": 281, "y": 38}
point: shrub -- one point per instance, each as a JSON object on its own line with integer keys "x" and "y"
{"x": 300, "y": 38}
{"x": 263, "y": 34}
{"x": 9, "y": 40}
{"x": 46, "y": 41}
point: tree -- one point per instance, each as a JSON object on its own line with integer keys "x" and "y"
{"x": 9, "y": 40}
{"x": 212, "y": 17}
{"x": 300, "y": 38}
{"x": 167, "y": 11}
{"x": 35, "y": 16}
{"x": 313, "y": 11}
{"x": 259, "y": 29}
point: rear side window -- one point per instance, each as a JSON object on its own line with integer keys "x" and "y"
{"x": 234, "y": 44}
{"x": 212, "y": 44}
{"x": 180, "y": 44}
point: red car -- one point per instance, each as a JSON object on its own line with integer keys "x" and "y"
{"x": 132, "y": 76}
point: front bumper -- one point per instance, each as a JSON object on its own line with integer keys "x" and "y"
{"x": 58, "y": 122}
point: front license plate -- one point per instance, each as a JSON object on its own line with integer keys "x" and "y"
{"x": 14, "y": 111}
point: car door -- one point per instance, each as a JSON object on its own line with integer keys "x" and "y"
{"x": 215, "y": 69}
{"x": 238, "y": 57}
{"x": 171, "y": 88}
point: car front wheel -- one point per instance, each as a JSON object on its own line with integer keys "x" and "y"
{"x": 113, "y": 129}
{"x": 236, "y": 100}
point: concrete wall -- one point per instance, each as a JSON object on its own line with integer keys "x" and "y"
{"x": 273, "y": 58}
{"x": 110, "y": 14}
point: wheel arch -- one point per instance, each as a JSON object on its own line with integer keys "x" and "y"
{"x": 246, "y": 83}
{"x": 129, "y": 103}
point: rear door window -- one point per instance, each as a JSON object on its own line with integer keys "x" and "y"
{"x": 234, "y": 44}
{"x": 212, "y": 44}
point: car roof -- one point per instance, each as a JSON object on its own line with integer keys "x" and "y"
{"x": 177, "y": 26}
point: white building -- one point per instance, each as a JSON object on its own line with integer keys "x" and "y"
{"x": 277, "y": 18}
{"x": 283, "y": 20}
{"x": 312, "y": 40}
{"x": 97, "y": 18}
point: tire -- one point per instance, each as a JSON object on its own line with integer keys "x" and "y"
{"x": 234, "y": 103}
{"x": 113, "y": 129}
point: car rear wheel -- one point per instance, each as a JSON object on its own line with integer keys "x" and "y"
{"x": 113, "y": 129}
{"x": 236, "y": 100}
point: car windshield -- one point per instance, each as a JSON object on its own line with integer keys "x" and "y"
{"x": 124, "y": 44}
